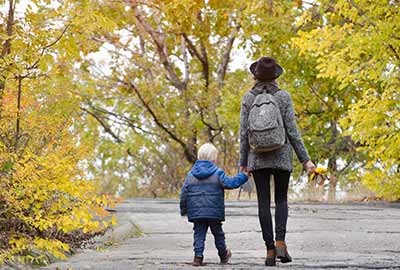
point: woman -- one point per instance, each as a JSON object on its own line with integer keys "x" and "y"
{"x": 276, "y": 162}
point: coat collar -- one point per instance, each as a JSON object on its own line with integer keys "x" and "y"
{"x": 259, "y": 86}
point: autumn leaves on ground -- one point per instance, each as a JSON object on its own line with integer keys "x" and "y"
{"x": 103, "y": 99}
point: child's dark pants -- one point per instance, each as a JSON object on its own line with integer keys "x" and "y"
{"x": 200, "y": 228}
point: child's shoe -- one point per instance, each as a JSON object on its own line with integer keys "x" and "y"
{"x": 270, "y": 260}
{"x": 225, "y": 258}
{"x": 197, "y": 261}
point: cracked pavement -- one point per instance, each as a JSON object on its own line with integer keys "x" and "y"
{"x": 320, "y": 236}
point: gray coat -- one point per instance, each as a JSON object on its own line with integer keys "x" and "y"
{"x": 281, "y": 158}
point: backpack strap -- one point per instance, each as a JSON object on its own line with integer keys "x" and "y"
{"x": 273, "y": 90}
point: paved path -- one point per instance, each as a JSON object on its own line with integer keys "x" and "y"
{"x": 319, "y": 237}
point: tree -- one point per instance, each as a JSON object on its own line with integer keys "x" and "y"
{"x": 169, "y": 68}
{"x": 358, "y": 45}
{"x": 319, "y": 102}
{"x": 45, "y": 201}
{"x": 169, "y": 84}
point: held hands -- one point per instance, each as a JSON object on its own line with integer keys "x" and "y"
{"x": 309, "y": 167}
{"x": 244, "y": 170}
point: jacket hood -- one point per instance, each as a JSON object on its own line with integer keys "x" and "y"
{"x": 203, "y": 169}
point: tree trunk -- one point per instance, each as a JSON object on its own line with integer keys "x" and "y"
{"x": 7, "y": 47}
{"x": 332, "y": 162}
{"x": 17, "y": 125}
{"x": 332, "y": 165}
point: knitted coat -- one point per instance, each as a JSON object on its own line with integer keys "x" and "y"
{"x": 281, "y": 158}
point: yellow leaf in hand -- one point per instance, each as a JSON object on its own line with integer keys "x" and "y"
{"x": 321, "y": 170}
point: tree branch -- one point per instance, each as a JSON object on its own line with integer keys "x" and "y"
{"x": 396, "y": 54}
{"x": 202, "y": 57}
{"x": 361, "y": 12}
{"x": 159, "y": 41}
{"x": 319, "y": 97}
{"x": 192, "y": 49}
{"x": 206, "y": 68}
{"x": 190, "y": 155}
{"x": 9, "y": 28}
{"x": 185, "y": 61}
{"x": 340, "y": 172}
{"x": 125, "y": 120}
{"x": 6, "y": 48}
{"x": 308, "y": 112}
{"x": 203, "y": 120}
{"x": 17, "y": 128}
{"x": 44, "y": 48}
{"x": 103, "y": 124}
{"x": 221, "y": 71}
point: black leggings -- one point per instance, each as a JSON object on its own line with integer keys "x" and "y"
{"x": 262, "y": 180}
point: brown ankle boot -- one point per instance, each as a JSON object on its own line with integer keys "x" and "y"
{"x": 197, "y": 261}
{"x": 282, "y": 252}
{"x": 270, "y": 260}
{"x": 226, "y": 257}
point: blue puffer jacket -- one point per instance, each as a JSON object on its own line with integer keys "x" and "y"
{"x": 202, "y": 194}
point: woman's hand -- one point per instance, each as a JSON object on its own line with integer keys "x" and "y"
{"x": 244, "y": 170}
{"x": 309, "y": 167}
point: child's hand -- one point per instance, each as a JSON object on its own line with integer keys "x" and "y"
{"x": 183, "y": 213}
{"x": 243, "y": 169}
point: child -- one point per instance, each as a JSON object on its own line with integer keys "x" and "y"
{"x": 202, "y": 199}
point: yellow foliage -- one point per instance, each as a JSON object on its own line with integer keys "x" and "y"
{"x": 318, "y": 171}
{"x": 358, "y": 46}
{"x": 45, "y": 197}
{"x": 321, "y": 170}
{"x": 42, "y": 189}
